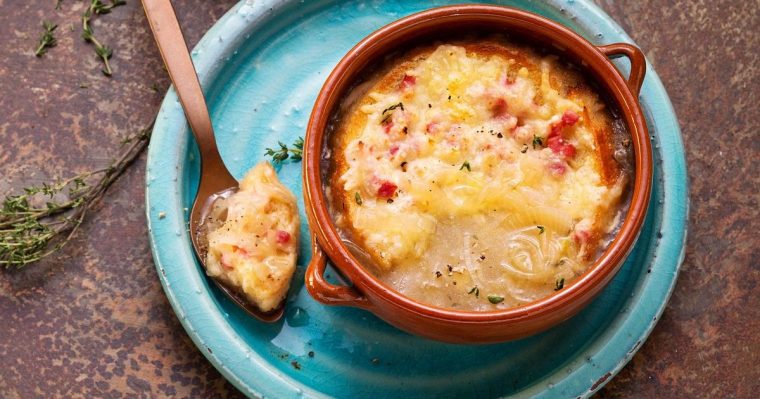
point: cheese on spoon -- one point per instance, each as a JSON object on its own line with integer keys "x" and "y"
{"x": 254, "y": 249}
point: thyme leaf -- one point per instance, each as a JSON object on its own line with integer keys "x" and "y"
{"x": 47, "y": 40}
{"x": 559, "y": 284}
{"x": 537, "y": 140}
{"x": 465, "y": 165}
{"x": 494, "y": 299}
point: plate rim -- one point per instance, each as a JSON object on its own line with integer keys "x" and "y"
{"x": 163, "y": 226}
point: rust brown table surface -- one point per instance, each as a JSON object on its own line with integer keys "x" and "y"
{"x": 92, "y": 321}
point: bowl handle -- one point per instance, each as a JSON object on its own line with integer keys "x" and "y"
{"x": 638, "y": 62}
{"x": 323, "y": 291}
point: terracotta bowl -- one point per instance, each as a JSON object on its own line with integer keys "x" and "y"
{"x": 368, "y": 292}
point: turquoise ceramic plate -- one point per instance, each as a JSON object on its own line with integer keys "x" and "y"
{"x": 261, "y": 67}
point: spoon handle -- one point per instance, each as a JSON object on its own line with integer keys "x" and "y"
{"x": 171, "y": 43}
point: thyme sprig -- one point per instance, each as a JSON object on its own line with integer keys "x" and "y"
{"x": 30, "y": 231}
{"x": 98, "y": 7}
{"x": 284, "y": 152}
{"x": 47, "y": 40}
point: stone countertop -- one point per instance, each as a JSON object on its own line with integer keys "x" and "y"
{"x": 93, "y": 321}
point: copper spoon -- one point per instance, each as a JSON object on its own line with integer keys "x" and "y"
{"x": 215, "y": 181}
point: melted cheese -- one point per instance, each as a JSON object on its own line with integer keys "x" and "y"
{"x": 463, "y": 136}
{"x": 254, "y": 250}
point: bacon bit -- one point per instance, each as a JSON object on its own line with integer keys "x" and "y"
{"x": 394, "y": 149}
{"x": 559, "y": 146}
{"x": 555, "y": 130}
{"x": 499, "y": 107}
{"x": 581, "y": 236}
{"x": 430, "y": 127}
{"x": 557, "y": 168}
{"x": 282, "y": 237}
{"x": 387, "y": 189}
{"x": 408, "y": 81}
{"x": 569, "y": 118}
{"x": 568, "y": 151}
{"x": 555, "y": 141}
{"x": 387, "y": 126}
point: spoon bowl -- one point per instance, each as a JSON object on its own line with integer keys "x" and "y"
{"x": 215, "y": 180}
